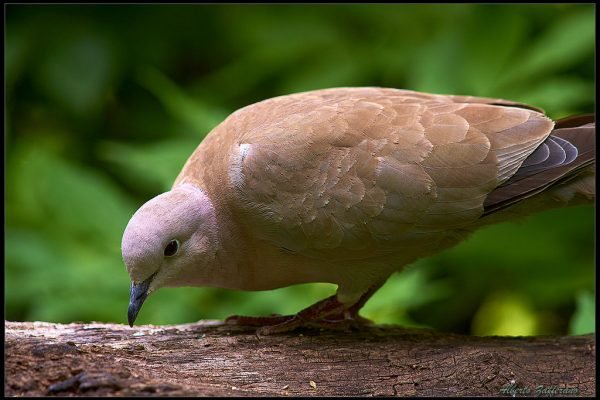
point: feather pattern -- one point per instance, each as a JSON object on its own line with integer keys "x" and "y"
{"x": 561, "y": 157}
{"x": 366, "y": 169}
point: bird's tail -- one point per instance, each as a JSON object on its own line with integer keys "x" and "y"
{"x": 560, "y": 172}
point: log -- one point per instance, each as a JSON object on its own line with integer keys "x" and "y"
{"x": 209, "y": 358}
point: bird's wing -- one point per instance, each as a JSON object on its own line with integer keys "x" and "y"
{"x": 367, "y": 169}
{"x": 564, "y": 154}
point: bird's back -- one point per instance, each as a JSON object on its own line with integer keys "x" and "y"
{"x": 359, "y": 172}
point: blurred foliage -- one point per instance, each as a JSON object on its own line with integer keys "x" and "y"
{"x": 105, "y": 103}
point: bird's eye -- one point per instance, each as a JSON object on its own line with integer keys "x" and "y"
{"x": 172, "y": 248}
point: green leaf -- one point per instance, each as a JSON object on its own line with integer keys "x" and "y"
{"x": 584, "y": 319}
{"x": 564, "y": 44}
{"x": 337, "y": 68}
{"x": 76, "y": 73}
{"x": 436, "y": 67}
{"x": 79, "y": 202}
{"x": 200, "y": 116}
{"x": 559, "y": 97}
{"x": 488, "y": 54}
{"x": 153, "y": 166}
{"x": 57, "y": 278}
{"x": 29, "y": 255}
{"x": 505, "y": 314}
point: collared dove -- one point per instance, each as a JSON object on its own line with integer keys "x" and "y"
{"x": 346, "y": 186}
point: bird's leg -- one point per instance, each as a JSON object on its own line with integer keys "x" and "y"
{"x": 309, "y": 317}
{"x": 279, "y": 319}
{"x": 328, "y": 313}
{"x": 351, "y": 314}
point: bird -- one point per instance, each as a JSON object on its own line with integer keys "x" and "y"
{"x": 347, "y": 186}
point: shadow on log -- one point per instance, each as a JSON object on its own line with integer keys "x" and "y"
{"x": 212, "y": 359}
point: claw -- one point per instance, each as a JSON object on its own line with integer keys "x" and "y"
{"x": 329, "y": 313}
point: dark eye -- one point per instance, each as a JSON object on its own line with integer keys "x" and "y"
{"x": 172, "y": 248}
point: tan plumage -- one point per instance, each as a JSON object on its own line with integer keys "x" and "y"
{"x": 349, "y": 185}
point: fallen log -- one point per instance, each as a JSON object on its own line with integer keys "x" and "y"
{"x": 211, "y": 359}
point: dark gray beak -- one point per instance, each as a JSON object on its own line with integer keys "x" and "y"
{"x": 137, "y": 295}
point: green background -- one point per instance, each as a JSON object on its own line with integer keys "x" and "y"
{"x": 105, "y": 103}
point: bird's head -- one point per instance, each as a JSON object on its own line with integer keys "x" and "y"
{"x": 169, "y": 241}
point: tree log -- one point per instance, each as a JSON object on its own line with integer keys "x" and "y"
{"x": 212, "y": 359}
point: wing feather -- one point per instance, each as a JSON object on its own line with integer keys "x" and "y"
{"x": 368, "y": 170}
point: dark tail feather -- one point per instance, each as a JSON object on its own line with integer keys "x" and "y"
{"x": 565, "y": 152}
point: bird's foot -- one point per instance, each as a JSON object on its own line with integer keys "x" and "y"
{"x": 286, "y": 323}
{"x": 296, "y": 322}
{"x": 327, "y": 314}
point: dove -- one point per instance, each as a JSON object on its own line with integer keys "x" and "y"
{"x": 348, "y": 186}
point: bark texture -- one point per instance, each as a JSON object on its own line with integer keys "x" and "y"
{"x": 212, "y": 359}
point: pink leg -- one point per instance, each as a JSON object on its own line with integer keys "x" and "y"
{"x": 325, "y": 314}
{"x": 319, "y": 309}
{"x": 309, "y": 317}
{"x": 350, "y": 317}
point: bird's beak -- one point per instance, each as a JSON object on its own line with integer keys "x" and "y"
{"x": 137, "y": 295}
